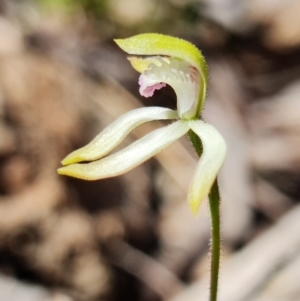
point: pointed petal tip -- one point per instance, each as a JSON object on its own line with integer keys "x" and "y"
{"x": 76, "y": 171}
{"x": 117, "y": 41}
{"x": 60, "y": 171}
{"x": 70, "y": 159}
{"x": 65, "y": 162}
{"x": 65, "y": 171}
{"x": 194, "y": 206}
{"x": 122, "y": 43}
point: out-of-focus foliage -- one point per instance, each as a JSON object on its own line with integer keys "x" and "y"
{"x": 133, "y": 16}
{"x": 96, "y": 8}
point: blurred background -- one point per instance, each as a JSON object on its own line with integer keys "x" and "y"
{"x": 62, "y": 80}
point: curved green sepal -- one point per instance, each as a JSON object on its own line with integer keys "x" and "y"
{"x": 159, "y": 44}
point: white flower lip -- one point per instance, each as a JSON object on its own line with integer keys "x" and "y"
{"x": 178, "y": 74}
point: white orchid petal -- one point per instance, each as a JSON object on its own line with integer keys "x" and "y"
{"x": 126, "y": 159}
{"x": 115, "y": 133}
{"x": 214, "y": 150}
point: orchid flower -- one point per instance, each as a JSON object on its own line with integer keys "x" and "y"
{"x": 162, "y": 60}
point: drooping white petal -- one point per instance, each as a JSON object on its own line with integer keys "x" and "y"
{"x": 180, "y": 75}
{"x": 131, "y": 156}
{"x": 214, "y": 150}
{"x": 115, "y": 133}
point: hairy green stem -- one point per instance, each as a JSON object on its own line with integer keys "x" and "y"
{"x": 214, "y": 206}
